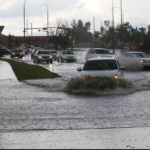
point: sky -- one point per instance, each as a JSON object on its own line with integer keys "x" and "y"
{"x": 136, "y": 12}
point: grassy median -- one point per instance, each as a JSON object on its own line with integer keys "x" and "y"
{"x": 25, "y": 71}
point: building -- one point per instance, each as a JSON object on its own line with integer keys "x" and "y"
{"x": 19, "y": 40}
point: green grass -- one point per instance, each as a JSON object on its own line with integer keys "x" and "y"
{"x": 25, "y": 71}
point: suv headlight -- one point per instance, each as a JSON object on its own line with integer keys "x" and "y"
{"x": 116, "y": 77}
{"x": 39, "y": 56}
{"x": 143, "y": 61}
{"x": 50, "y": 56}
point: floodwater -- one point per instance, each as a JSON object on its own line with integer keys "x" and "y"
{"x": 42, "y": 114}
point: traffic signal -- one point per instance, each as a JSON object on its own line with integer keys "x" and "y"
{"x": 96, "y": 33}
{"x": 44, "y": 28}
{"x": 59, "y": 28}
{"x": 107, "y": 33}
{"x": 94, "y": 41}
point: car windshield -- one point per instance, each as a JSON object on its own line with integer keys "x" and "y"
{"x": 28, "y": 46}
{"x": 54, "y": 52}
{"x": 67, "y": 52}
{"x": 99, "y": 51}
{"x": 139, "y": 55}
{"x": 43, "y": 52}
{"x": 18, "y": 51}
{"x": 38, "y": 48}
{"x": 100, "y": 65}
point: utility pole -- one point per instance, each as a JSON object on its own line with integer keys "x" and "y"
{"x": 31, "y": 29}
{"x": 47, "y": 20}
{"x": 27, "y": 27}
{"x": 122, "y": 44}
{"x": 94, "y": 24}
{"x": 113, "y": 27}
{"x": 24, "y": 23}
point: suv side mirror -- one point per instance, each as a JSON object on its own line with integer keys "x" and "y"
{"x": 79, "y": 69}
{"x": 122, "y": 67}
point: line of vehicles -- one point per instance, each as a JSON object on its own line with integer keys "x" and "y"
{"x": 98, "y": 61}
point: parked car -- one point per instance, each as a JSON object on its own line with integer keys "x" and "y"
{"x": 34, "y": 50}
{"x": 25, "y": 52}
{"x": 29, "y": 48}
{"x": 16, "y": 53}
{"x": 5, "y": 51}
{"x": 54, "y": 54}
{"x": 134, "y": 60}
{"x": 102, "y": 67}
{"x": 67, "y": 55}
{"x": 97, "y": 53}
{"x": 42, "y": 55}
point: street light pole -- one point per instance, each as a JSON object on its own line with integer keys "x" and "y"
{"x": 113, "y": 27}
{"x": 47, "y": 19}
{"x": 121, "y": 28}
{"x": 121, "y": 25}
{"x": 24, "y": 23}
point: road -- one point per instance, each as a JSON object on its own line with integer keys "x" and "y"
{"x": 37, "y": 105}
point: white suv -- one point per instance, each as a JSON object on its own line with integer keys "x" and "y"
{"x": 97, "y": 53}
{"x": 102, "y": 67}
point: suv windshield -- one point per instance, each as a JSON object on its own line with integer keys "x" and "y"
{"x": 43, "y": 52}
{"x": 67, "y": 52}
{"x": 54, "y": 52}
{"x": 140, "y": 55}
{"x": 99, "y": 51}
{"x": 101, "y": 65}
{"x": 18, "y": 51}
{"x": 28, "y": 46}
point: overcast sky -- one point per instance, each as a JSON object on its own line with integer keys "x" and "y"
{"x": 137, "y": 12}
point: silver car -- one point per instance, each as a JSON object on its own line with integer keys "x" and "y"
{"x": 34, "y": 50}
{"x": 134, "y": 60}
{"x": 67, "y": 55}
{"x": 42, "y": 55}
{"x": 97, "y": 53}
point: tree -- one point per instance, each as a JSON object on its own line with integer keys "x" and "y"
{"x": 10, "y": 41}
{"x": 17, "y": 42}
{"x": 36, "y": 42}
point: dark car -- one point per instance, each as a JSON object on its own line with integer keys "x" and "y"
{"x": 29, "y": 48}
{"x": 16, "y": 53}
{"x": 54, "y": 54}
{"x": 4, "y": 51}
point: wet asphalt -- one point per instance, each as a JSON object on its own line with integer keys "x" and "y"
{"x": 41, "y": 114}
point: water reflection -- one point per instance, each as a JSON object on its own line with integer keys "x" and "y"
{"x": 51, "y": 67}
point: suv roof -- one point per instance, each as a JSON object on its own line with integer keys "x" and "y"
{"x": 134, "y": 52}
{"x": 104, "y": 58}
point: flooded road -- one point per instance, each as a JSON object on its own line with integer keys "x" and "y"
{"x": 35, "y": 105}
